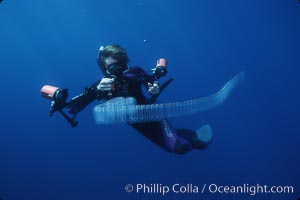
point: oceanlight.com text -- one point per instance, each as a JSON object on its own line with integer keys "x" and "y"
{"x": 163, "y": 189}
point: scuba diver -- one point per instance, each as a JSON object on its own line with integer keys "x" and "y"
{"x": 120, "y": 80}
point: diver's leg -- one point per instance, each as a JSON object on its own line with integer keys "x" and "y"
{"x": 173, "y": 142}
{"x": 164, "y": 135}
{"x": 152, "y": 131}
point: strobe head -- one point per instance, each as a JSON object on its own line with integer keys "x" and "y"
{"x": 54, "y": 93}
{"x": 161, "y": 68}
{"x": 57, "y": 96}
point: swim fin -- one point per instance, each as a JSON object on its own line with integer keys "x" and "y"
{"x": 204, "y": 135}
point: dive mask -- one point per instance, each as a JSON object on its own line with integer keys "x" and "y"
{"x": 116, "y": 68}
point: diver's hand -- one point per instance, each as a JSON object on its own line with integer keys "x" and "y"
{"x": 153, "y": 88}
{"x": 106, "y": 84}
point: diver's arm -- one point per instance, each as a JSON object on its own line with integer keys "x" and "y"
{"x": 151, "y": 83}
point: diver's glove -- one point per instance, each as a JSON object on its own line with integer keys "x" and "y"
{"x": 106, "y": 84}
{"x": 153, "y": 88}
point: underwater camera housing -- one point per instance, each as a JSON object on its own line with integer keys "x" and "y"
{"x": 58, "y": 96}
{"x": 58, "y": 99}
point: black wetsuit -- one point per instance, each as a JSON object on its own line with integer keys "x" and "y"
{"x": 129, "y": 84}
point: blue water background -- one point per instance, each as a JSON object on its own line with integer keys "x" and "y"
{"x": 256, "y": 131}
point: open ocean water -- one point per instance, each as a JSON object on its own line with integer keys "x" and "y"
{"x": 255, "y": 152}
